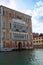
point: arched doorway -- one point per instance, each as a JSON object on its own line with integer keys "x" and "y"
{"x": 19, "y": 45}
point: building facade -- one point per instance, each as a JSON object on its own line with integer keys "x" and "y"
{"x": 38, "y": 41}
{"x": 15, "y": 30}
{"x": 35, "y": 35}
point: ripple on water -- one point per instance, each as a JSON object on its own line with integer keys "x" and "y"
{"x": 28, "y": 57}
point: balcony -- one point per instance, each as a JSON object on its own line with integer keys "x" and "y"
{"x": 18, "y": 25}
{"x": 19, "y": 21}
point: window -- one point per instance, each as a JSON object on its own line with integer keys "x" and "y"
{"x": 10, "y": 43}
{"x": 19, "y": 27}
{"x": 15, "y": 44}
{"x": 25, "y": 18}
{"x": 14, "y": 26}
{"x": 31, "y": 44}
{"x": 3, "y": 35}
{"x": 3, "y": 24}
{"x": 10, "y": 35}
{"x": 36, "y": 41}
{"x": 23, "y": 44}
{"x": 3, "y": 44}
{"x": 33, "y": 41}
{"x": 27, "y": 44}
{"x": 11, "y": 14}
{"x": 7, "y": 45}
{"x": 3, "y": 12}
{"x": 10, "y": 25}
{"x": 18, "y": 16}
{"x": 42, "y": 40}
{"x": 19, "y": 36}
{"x": 26, "y": 36}
{"x": 7, "y": 13}
{"x": 39, "y": 38}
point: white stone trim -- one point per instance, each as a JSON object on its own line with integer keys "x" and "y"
{"x": 1, "y": 26}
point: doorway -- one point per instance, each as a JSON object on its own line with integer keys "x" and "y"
{"x": 19, "y": 45}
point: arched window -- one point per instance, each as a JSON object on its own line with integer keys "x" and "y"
{"x": 10, "y": 43}
{"x": 3, "y": 44}
{"x": 3, "y": 35}
{"x": 15, "y": 44}
{"x": 7, "y": 45}
{"x": 31, "y": 44}
{"x": 27, "y": 44}
{"x": 23, "y": 44}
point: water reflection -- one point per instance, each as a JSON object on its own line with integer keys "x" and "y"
{"x": 28, "y": 57}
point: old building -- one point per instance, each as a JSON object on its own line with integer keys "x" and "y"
{"x": 38, "y": 40}
{"x": 15, "y": 30}
{"x": 35, "y": 35}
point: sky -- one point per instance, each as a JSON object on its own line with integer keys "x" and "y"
{"x": 33, "y": 8}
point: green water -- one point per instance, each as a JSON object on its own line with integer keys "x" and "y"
{"x": 25, "y": 57}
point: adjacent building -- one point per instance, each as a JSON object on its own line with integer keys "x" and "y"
{"x": 35, "y": 35}
{"x": 15, "y": 30}
{"x": 37, "y": 40}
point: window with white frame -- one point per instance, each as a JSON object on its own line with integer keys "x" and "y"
{"x": 20, "y": 36}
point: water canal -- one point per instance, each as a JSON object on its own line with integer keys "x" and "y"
{"x": 25, "y": 57}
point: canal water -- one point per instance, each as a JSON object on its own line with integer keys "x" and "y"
{"x": 25, "y": 57}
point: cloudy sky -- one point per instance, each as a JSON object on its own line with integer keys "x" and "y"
{"x": 30, "y": 7}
